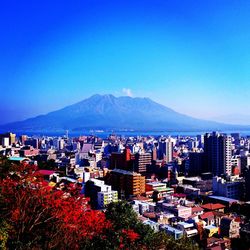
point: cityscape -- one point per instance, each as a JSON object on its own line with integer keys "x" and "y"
{"x": 124, "y": 125}
{"x": 188, "y": 187}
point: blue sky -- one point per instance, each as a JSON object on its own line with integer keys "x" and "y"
{"x": 193, "y": 56}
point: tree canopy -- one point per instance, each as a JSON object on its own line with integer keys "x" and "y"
{"x": 35, "y": 215}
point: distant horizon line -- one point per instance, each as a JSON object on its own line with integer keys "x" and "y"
{"x": 216, "y": 118}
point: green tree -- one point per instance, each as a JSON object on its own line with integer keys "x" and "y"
{"x": 122, "y": 215}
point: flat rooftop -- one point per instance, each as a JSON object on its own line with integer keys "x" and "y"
{"x": 222, "y": 198}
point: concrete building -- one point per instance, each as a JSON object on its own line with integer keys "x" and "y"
{"x": 100, "y": 194}
{"x": 230, "y": 187}
{"x": 218, "y": 154}
{"x": 195, "y": 163}
{"x": 177, "y": 210}
{"x": 121, "y": 160}
{"x": 172, "y": 231}
{"x": 187, "y": 229}
{"x": 165, "y": 150}
{"x": 11, "y": 139}
{"x": 127, "y": 183}
{"x": 106, "y": 197}
{"x": 5, "y": 142}
{"x": 236, "y": 164}
{"x": 141, "y": 162}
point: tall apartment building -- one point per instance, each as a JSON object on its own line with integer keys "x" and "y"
{"x": 165, "y": 150}
{"x": 236, "y": 164}
{"x": 23, "y": 138}
{"x": 127, "y": 183}
{"x": 195, "y": 163}
{"x": 131, "y": 162}
{"x": 121, "y": 160}
{"x": 218, "y": 154}
{"x": 141, "y": 161}
{"x": 11, "y": 138}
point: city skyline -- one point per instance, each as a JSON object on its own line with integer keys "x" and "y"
{"x": 189, "y": 56}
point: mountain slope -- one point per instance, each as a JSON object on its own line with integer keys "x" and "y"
{"x": 117, "y": 113}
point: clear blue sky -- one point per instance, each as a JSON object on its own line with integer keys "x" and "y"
{"x": 193, "y": 56}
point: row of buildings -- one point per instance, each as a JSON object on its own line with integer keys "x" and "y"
{"x": 185, "y": 186}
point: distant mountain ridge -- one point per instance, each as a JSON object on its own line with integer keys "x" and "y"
{"x": 107, "y": 112}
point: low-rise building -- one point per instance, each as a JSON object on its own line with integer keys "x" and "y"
{"x": 172, "y": 231}
{"x": 187, "y": 229}
{"x": 177, "y": 210}
{"x": 213, "y": 207}
{"x": 230, "y": 187}
{"x": 100, "y": 194}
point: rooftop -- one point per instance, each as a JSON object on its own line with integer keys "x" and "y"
{"x": 121, "y": 171}
{"x": 207, "y": 215}
{"x": 209, "y": 227}
{"x": 185, "y": 224}
{"x": 211, "y": 206}
{"x": 197, "y": 209}
{"x": 15, "y": 158}
{"x": 172, "y": 229}
{"x": 229, "y": 200}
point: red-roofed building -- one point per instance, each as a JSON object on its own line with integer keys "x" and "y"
{"x": 197, "y": 210}
{"x": 208, "y": 217}
{"x": 213, "y": 207}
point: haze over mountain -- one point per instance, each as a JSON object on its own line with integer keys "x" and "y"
{"x": 107, "y": 112}
{"x": 233, "y": 118}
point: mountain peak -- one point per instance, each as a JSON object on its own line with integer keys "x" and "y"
{"x": 108, "y": 112}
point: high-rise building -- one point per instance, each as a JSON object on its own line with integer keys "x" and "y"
{"x": 195, "y": 163}
{"x": 126, "y": 183}
{"x": 236, "y": 164}
{"x": 11, "y": 138}
{"x": 154, "y": 154}
{"x": 121, "y": 160}
{"x": 141, "y": 161}
{"x": 236, "y": 138}
{"x": 200, "y": 138}
{"x": 165, "y": 150}
{"x": 5, "y": 141}
{"x": 247, "y": 184}
{"x": 23, "y": 138}
{"x": 218, "y": 154}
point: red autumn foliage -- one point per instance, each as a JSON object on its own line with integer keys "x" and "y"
{"x": 43, "y": 215}
{"x": 130, "y": 234}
